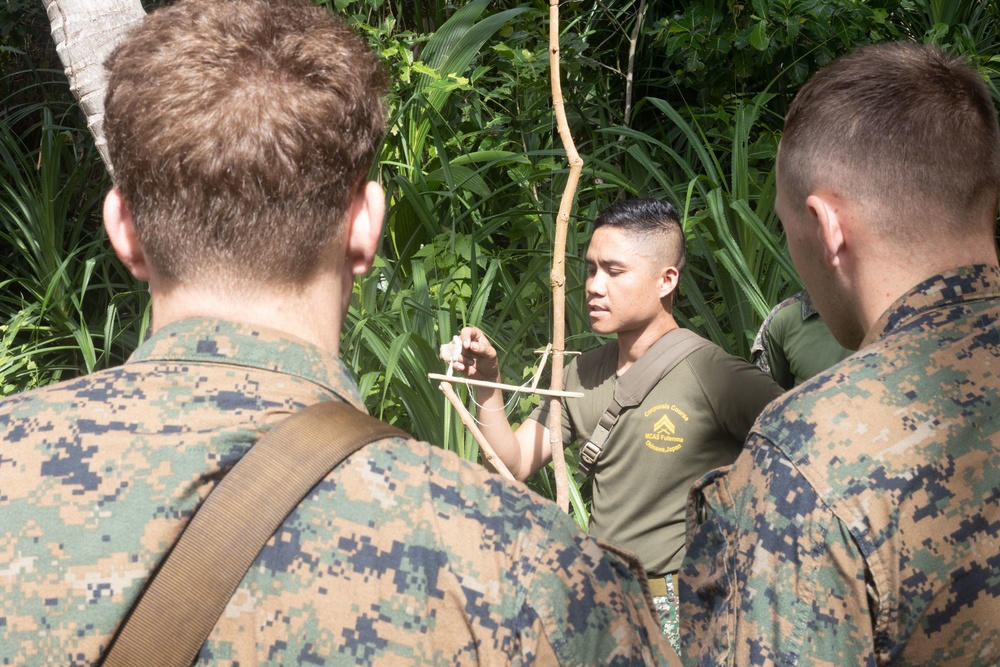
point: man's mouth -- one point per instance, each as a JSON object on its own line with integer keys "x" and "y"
{"x": 596, "y": 309}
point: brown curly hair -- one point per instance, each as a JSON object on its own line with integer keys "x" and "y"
{"x": 240, "y": 131}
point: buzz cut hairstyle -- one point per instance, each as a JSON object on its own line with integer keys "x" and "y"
{"x": 648, "y": 217}
{"x": 904, "y": 128}
{"x": 240, "y": 132}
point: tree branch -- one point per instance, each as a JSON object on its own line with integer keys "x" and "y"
{"x": 631, "y": 61}
{"x": 470, "y": 423}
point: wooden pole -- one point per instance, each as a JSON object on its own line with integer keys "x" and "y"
{"x": 470, "y": 423}
{"x": 557, "y": 276}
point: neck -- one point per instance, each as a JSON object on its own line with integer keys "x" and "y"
{"x": 884, "y": 279}
{"x": 633, "y": 344}
{"x": 313, "y": 314}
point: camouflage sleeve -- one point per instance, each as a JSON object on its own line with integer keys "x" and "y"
{"x": 771, "y": 576}
{"x": 781, "y": 370}
{"x": 758, "y": 350}
{"x": 593, "y": 609}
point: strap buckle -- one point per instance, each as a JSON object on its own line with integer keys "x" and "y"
{"x": 589, "y": 452}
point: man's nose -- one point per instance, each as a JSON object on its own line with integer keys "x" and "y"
{"x": 595, "y": 284}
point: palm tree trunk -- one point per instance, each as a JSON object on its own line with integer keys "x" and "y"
{"x": 85, "y": 33}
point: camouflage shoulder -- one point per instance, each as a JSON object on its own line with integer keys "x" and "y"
{"x": 764, "y": 554}
{"x": 591, "y": 599}
{"x": 758, "y": 350}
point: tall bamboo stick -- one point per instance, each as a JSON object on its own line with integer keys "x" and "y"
{"x": 557, "y": 277}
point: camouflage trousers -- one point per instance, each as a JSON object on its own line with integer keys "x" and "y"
{"x": 666, "y": 608}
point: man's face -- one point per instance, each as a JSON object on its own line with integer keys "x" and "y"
{"x": 623, "y": 282}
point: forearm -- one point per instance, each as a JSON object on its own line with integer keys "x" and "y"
{"x": 522, "y": 452}
{"x": 492, "y": 419}
{"x": 517, "y": 449}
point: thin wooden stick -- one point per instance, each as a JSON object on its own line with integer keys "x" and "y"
{"x": 506, "y": 387}
{"x": 558, "y": 274}
{"x": 541, "y": 365}
{"x": 633, "y": 40}
{"x": 470, "y": 423}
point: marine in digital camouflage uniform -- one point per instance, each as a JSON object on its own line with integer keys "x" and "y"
{"x": 404, "y": 554}
{"x": 241, "y": 131}
{"x": 861, "y": 525}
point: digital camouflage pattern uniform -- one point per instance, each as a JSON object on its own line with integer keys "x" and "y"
{"x": 861, "y": 525}
{"x": 404, "y": 555}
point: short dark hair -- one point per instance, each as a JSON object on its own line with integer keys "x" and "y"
{"x": 648, "y": 217}
{"x": 240, "y": 130}
{"x": 905, "y": 127}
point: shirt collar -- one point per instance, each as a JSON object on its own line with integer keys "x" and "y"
{"x": 964, "y": 284}
{"x": 252, "y": 346}
{"x": 808, "y": 309}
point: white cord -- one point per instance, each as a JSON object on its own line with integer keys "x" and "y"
{"x": 505, "y": 409}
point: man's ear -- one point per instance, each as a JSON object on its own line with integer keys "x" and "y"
{"x": 669, "y": 280}
{"x": 829, "y": 212}
{"x": 364, "y": 227}
{"x": 120, "y": 226}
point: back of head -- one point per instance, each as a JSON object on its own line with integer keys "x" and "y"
{"x": 240, "y": 131}
{"x": 655, "y": 220}
{"x": 905, "y": 131}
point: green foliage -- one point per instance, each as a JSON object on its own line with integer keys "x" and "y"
{"x": 473, "y": 171}
{"x": 715, "y": 48}
{"x": 68, "y": 305}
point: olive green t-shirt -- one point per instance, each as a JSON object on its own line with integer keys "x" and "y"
{"x": 693, "y": 421}
{"x": 800, "y": 347}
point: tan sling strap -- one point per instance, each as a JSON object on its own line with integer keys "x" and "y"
{"x": 195, "y": 582}
{"x": 636, "y": 383}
